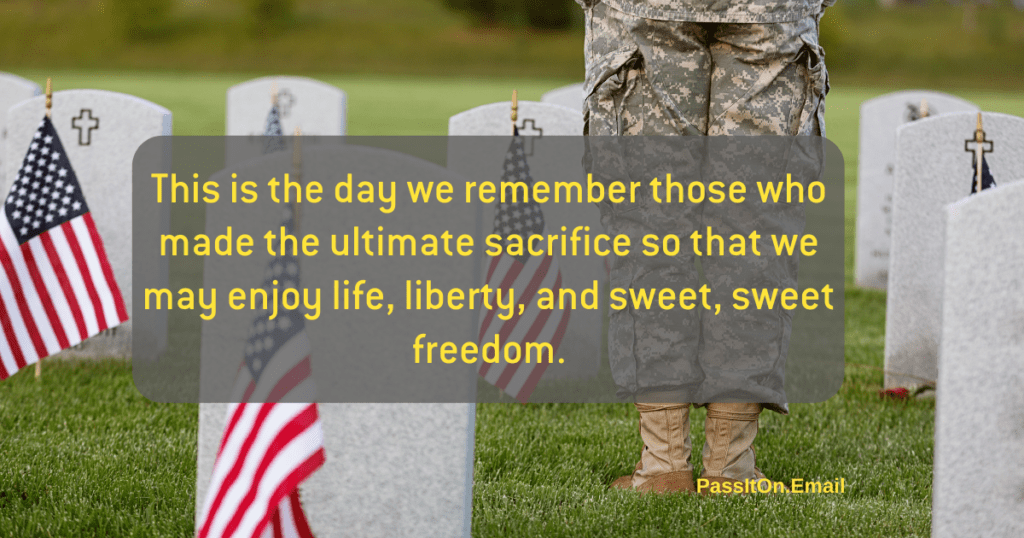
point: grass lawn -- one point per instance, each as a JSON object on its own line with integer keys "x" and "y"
{"x": 82, "y": 453}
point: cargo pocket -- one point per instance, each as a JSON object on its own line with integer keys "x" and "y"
{"x": 605, "y": 89}
{"x": 812, "y": 118}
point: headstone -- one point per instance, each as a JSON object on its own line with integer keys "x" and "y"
{"x": 933, "y": 171}
{"x": 879, "y": 119}
{"x": 318, "y": 108}
{"x": 581, "y": 345}
{"x": 101, "y": 131}
{"x": 392, "y": 469}
{"x": 13, "y": 90}
{"x": 570, "y": 96}
{"x": 979, "y": 414}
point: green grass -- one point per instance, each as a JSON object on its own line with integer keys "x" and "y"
{"x": 83, "y": 454}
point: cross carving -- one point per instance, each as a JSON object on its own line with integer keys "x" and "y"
{"x": 531, "y": 131}
{"x": 85, "y": 124}
{"x": 285, "y": 100}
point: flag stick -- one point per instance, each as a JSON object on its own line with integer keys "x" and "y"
{"x": 515, "y": 109}
{"x": 515, "y": 118}
{"x": 979, "y": 137}
{"x": 924, "y": 108}
{"x": 49, "y": 110}
{"x": 49, "y": 96}
{"x": 273, "y": 93}
{"x": 297, "y": 165}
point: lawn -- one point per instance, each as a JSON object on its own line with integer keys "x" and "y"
{"x": 84, "y": 454}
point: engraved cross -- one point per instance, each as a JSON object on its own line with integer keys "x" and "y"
{"x": 85, "y": 124}
{"x": 978, "y": 146}
{"x": 285, "y": 100}
{"x": 531, "y": 131}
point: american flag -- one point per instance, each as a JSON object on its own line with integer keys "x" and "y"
{"x": 987, "y": 181}
{"x": 57, "y": 287}
{"x": 525, "y": 275}
{"x": 268, "y": 449}
{"x": 273, "y": 132}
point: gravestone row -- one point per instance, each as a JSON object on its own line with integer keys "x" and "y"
{"x": 955, "y": 311}
{"x": 947, "y": 285}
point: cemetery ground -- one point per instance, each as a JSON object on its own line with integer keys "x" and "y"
{"x": 83, "y": 453}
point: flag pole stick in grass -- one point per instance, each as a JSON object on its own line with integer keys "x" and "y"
{"x": 49, "y": 113}
{"x": 515, "y": 109}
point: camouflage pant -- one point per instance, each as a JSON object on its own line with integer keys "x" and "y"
{"x": 651, "y": 77}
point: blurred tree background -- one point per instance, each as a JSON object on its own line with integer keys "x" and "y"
{"x": 547, "y": 14}
{"x": 932, "y": 43}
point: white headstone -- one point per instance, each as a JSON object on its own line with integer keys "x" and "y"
{"x": 879, "y": 119}
{"x": 392, "y": 469}
{"x": 101, "y": 131}
{"x": 979, "y": 414}
{"x": 318, "y": 108}
{"x": 570, "y": 96}
{"x": 13, "y": 90}
{"x": 581, "y": 345}
{"x": 933, "y": 171}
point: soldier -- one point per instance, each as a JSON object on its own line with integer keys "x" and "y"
{"x": 697, "y": 67}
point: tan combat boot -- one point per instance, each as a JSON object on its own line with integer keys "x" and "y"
{"x": 729, "y": 467}
{"x": 664, "y": 465}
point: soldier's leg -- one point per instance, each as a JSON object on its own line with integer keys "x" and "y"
{"x": 652, "y": 352}
{"x": 769, "y": 79}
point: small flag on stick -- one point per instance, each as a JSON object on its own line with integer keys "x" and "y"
{"x": 57, "y": 287}
{"x": 272, "y": 130}
{"x": 987, "y": 181}
{"x": 537, "y": 330}
{"x": 268, "y": 449}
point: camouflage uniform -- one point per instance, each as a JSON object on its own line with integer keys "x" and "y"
{"x": 663, "y": 67}
{"x": 700, "y": 67}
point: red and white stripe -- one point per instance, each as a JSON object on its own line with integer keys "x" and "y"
{"x": 56, "y": 290}
{"x": 533, "y": 325}
{"x": 268, "y": 449}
